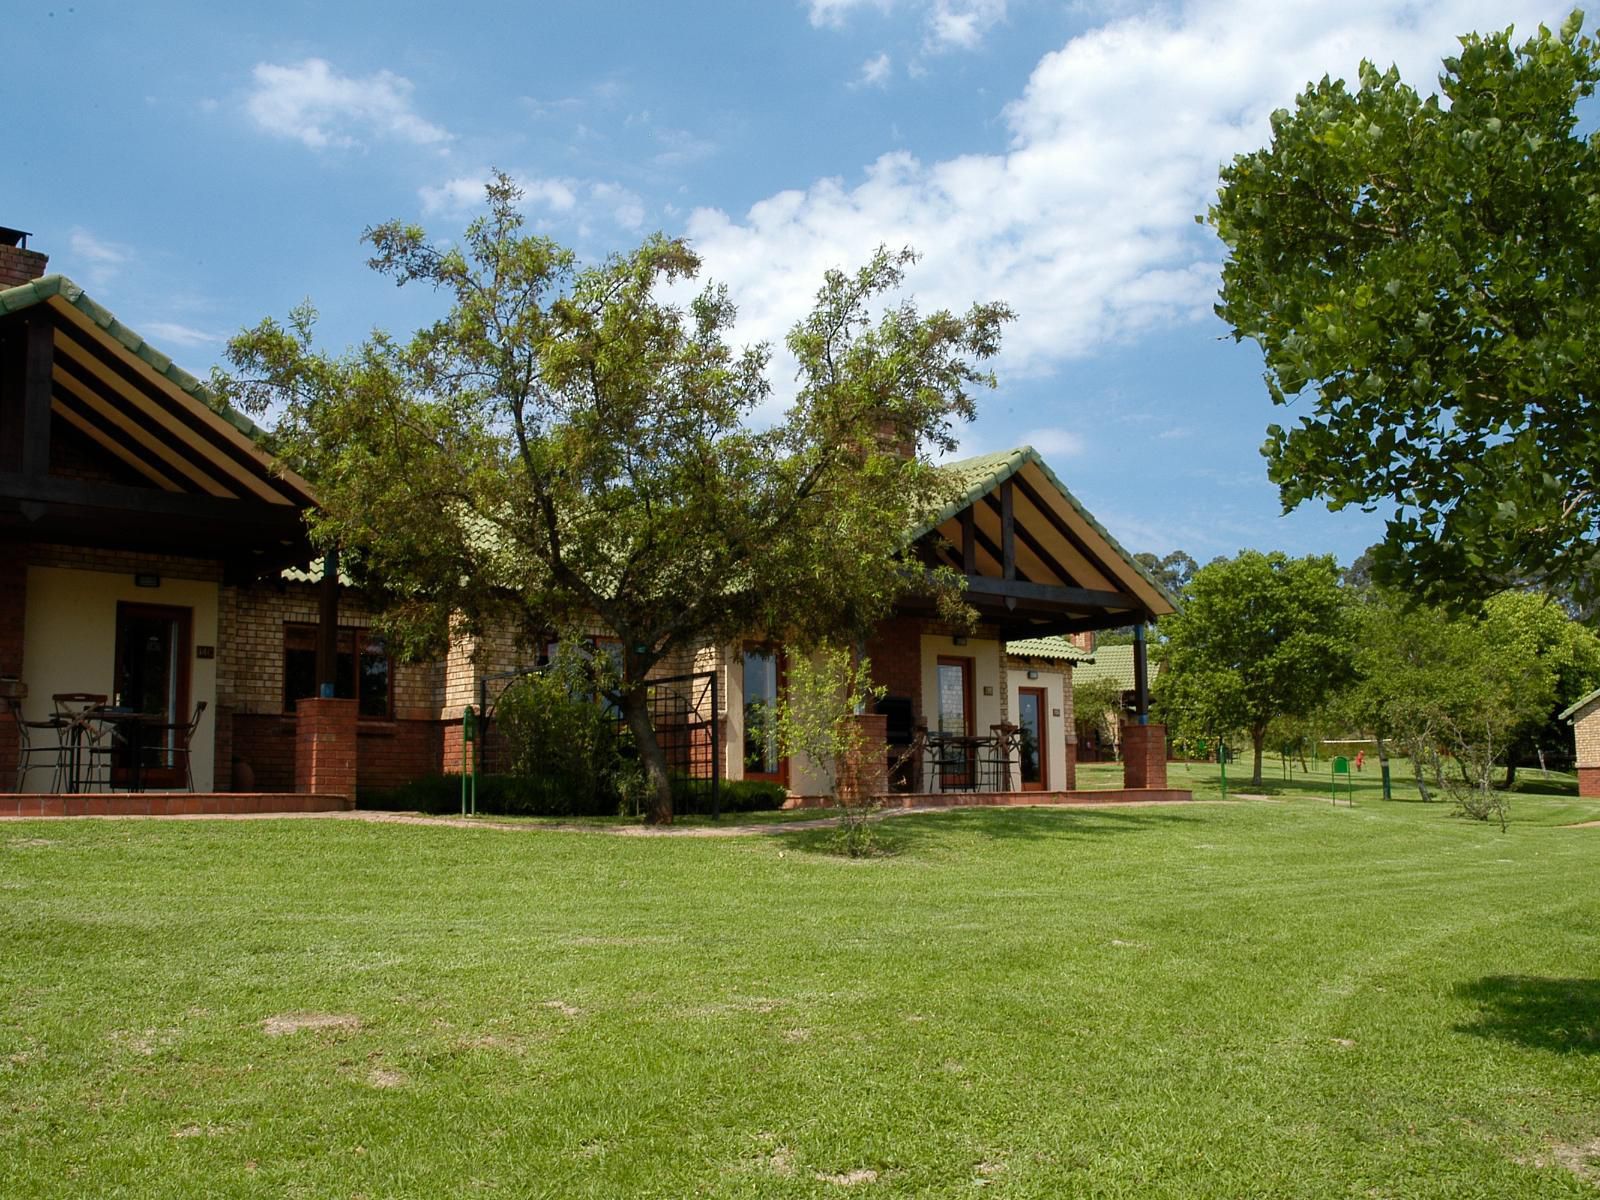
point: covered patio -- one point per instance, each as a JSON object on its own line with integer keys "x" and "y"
{"x": 987, "y": 712}
{"x": 129, "y": 501}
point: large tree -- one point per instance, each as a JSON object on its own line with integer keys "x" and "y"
{"x": 1423, "y": 277}
{"x": 1260, "y": 636}
{"x": 568, "y": 443}
{"x": 1483, "y": 688}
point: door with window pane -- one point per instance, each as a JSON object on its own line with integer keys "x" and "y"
{"x": 1034, "y": 767}
{"x": 152, "y": 677}
{"x": 762, "y": 680}
{"x": 955, "y": 763}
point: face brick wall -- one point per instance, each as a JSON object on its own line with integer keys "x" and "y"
{"x": 261, "y": 737}
{"x": 19, "y": 266}
{"x": 1586, "y": 735}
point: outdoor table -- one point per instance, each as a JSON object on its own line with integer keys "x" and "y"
{"x": 956, "y": 754}
{"x": 131, "y": 727}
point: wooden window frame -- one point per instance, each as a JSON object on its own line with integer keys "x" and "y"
{"x": 357, "y": 634}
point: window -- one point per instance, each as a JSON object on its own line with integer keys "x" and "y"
{"x": 362, "y": 671}
{"x": 761, "y": 683}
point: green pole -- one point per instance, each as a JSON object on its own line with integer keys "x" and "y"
{"x": 469, "y": 745}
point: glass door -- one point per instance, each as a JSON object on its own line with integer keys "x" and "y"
{"x": 152, "y": 679}
{"x": 954, "y": 759}
{"x": 1031, "y": 718}
{"x": 762, "y": 669}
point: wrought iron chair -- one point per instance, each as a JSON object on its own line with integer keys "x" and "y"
{"x": 34, "y": 752}
{"x": 182, "y": 742}
{"x": 83, "y": 739}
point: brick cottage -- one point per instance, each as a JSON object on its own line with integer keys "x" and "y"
{"x": 155, "y": 559}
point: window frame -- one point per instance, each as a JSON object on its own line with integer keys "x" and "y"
{"x": 357, "y": 635}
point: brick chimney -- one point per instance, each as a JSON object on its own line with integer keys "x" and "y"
{"x": 18, "y": 264}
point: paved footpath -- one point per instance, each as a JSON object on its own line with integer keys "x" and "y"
{"x": 712, "y": 831}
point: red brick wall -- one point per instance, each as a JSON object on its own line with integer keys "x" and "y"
{"x": 19, "y": 266}
{"x": 1589, "y": 781}
{"x": 1144, "y": 756}
{"x": 895, "y": 649}
{"x": 325, "y": 747}
{"x": 13, "y": 611}
{"x": 389, "y": 754}
{"x": 874, "y": 763}
{"x": 266, "y": 742}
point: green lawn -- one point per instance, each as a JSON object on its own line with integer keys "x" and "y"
{"x": 1270, "y": 998}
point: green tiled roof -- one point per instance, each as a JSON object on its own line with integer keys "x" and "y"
{"x": 1567, "y": 713}
{"x": 974, "y": 478}
{"x": 1048, "y": 647}
{"x": 1110, "y": 662}
{"x": 39, "y": 291}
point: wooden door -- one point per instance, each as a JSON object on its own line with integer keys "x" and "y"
{"x": 1032, "y": 706}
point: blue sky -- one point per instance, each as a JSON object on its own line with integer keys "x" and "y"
{"x": 199, "y": 166}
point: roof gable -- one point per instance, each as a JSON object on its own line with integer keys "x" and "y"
{"x": 131, "y": 399}
{"x": 1060, "y": 536}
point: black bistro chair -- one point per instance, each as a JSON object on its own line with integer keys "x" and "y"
{"x": 182, "y": 739}
{"x": 40, "y": 744}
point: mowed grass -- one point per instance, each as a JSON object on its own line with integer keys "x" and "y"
{"x": 1255, "y": 999}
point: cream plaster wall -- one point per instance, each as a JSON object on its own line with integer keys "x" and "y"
{"x": 1057, "y": 717}
{"x": 70, "y": 643}
{"x": 985, "y": 656}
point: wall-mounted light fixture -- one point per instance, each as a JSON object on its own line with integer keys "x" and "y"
{"x": 1033, "y": 674}
{"x": 959, "y": 640}
{"x": 147, "y": 580}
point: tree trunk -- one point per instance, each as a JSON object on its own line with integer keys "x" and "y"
{"x": 1258, "y": 737}
{"x": 636, "y": 711}
{"x": 1511, "y": 775}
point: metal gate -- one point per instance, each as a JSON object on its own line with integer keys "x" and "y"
{"x": 683, "y": 710}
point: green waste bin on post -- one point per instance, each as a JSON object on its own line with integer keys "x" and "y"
{"x": 1341, "y": 766}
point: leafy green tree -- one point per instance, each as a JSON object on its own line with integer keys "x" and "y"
{"x": 817, "y": 718}
{"x": 566, "y": 443}
{"x": 1421, "y": 274}
{"x": 1260, "y": 636}
{"x": 1172, "y": 572}
{"x": 1482, "y": 688}
{"x": 1097, "y": 704}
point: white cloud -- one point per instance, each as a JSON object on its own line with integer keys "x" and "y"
{"x": 832, "y": 13}
{"x": 95, "y": 260}
{"x": 947, "y": 24}
{"x": 463, "y": 197}
{"x": 1084, "y": 223}
{"x": 625, "y": 208}
{"x": 875, "y": 71}
{"x": 172, "y": 333}
{"x": 1054, "y": 443}
{"x": 311, "y": 102}
{"x": 961, "y": 24}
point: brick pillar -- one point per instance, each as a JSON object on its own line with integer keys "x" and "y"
{"x": 325, "y": 747}
{"x": 1144, "y": 756}
{"x": 869, "y": 775}
{"x": 1589, "y": 781}
{"x": 1070, "y": 781}
{"x": 13, "y": 609}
